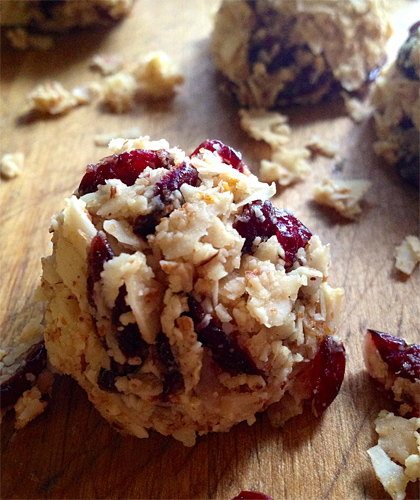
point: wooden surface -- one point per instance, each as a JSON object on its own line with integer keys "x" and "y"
{"x": 70, "y": 451}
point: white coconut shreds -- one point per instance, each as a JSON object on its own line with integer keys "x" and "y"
{"x": 407, "y": 254}
{"x": 53, "y": 99}
{"x": 396, "y": 457}
{"x": 287, "y": 164}
{"x": 344, "y": 195}
{"x": 276, "y": 315}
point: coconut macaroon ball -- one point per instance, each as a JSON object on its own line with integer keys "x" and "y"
{"x": 59, "y": 15}
{"x": 182, "y": 300}
{"x": 298, "y": 51}
{"x": 396, "y": 99}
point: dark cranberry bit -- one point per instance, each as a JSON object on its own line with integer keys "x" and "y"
{"x": 107, "y": 378}
{"x": 128, "y": 337}
{"x": 170, "y": 182}
{"x": 327, "y": 374}
{"x": 99, "y": 253}
{"x": 402, "y": 359}
{"x": 126, "y": 166}
{"x": 252, "y": 495}
{"x": 13, "y": 388}
{"x": 225, "y": 350}
{"x": 173, "y": 381}
{"x": 174, "y": 179}
{"x": 226, "y": 153}
{"x": 405, "y": 62}
{"x": 261, "y": 219}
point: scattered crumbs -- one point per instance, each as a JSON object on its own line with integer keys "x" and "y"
{"x": 20, "y": 39}
{"x": 28, "y": 407}
{"x": 53, "y": 99}
{"x": 356, "y": 109}
{"x": 407, "y": 254}
{"x": 396, "y": 457}
{"x": 319, "y": 146}
{"x": 342, "y": 195}
{"x": 107, "y": 64}
{"x": 11, "y": 165}
{"x": 119, "y": 92}
{"x": 287, "y": 165}
{"x": 105, "y": 139}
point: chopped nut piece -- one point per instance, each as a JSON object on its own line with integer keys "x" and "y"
{"x": 11, "y": 165}
{"x": 342, "y": 195}
{"x": 407, "y": 254}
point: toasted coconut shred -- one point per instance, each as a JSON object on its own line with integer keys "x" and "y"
{"x": 278, "y": 315}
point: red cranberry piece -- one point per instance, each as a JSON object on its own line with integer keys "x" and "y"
{"x": 226, "y": 153}
{"x": 13, "y": 388}
{"x": 107, "y": 378}
{"x": 252, "y": 495}
{"x": 99, "y": 253}
{"x": 173, "y": 380}
{"x": 174, "y": 179}
{"x": 126, "y": 166}
{"x": 226, "y": 352}
{"x": 402, "y": 359}
{"x": 261, "y": 219}
{"x": 327, "y": 374}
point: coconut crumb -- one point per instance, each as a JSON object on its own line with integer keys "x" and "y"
{"x": 119, "y": 92}
{"x": 105, "y": 139}
{"x": 356, "y": 109}
{"x": 287, "y": 165}
{"x": 396, "y": 457}
{"x": 20, "y": 39}
{"x": 11, "y": 165}
{"x": 158, "y": 75}
{"x": 407, "y": 254}
{"x": 107, "y": 64}
{"x": 53, "y": 99}
{"x": 319, "y": 146}
{"x": 28, "y": 407}
{"x": 342, "y": 195}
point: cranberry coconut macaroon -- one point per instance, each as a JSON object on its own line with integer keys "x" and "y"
{"x": 59, "y": 15}
{"x": 183, "y": 301}
{"x": 397, "y": 102}
{"x": 298, "y": 51}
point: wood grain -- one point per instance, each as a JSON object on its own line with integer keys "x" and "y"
{"x": 70, "y": 451}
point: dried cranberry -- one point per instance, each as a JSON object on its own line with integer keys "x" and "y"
{"x": 99, "y": 253}
{"x": 129, "y": 338}
{"x": 13, "y": 388}
{"x": 261, "y": 219}
{"x": 402, "y": 359}
{"x": 173, "y": 380}
{"x": 225, "y": 350}
{"x": 327, "y": 374}
{"x": 126, "y": 166}
{"x": 226, "y": 153}
{"x": 252, "y": 495}
{"x": 174, "y": 179}
{"x": 107, "y": 378}
{"x": 405, "y": 61}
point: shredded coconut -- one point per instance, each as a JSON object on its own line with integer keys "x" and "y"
{"x": 342, "y": 195}
{"x": 407, "y": 254}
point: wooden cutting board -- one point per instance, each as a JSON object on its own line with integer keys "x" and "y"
{"x": 70, "y": 451}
